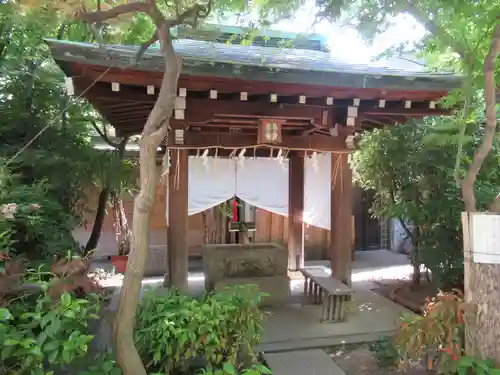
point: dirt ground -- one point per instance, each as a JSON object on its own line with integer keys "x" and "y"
{"x": 360, "y": 361}
{"x": 417, "y": 296}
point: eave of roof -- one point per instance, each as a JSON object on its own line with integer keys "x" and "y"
{"x": 204, "y": 58}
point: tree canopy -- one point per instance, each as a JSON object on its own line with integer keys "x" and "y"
{"x": 413, "y": 181}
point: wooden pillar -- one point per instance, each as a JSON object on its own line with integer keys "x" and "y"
{"x": 177, "y": 246}
{"x": 295, "y": 211}
{"x": 341, "y": 221}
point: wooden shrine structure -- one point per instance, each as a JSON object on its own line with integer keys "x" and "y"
{"x": 259, "y": 97}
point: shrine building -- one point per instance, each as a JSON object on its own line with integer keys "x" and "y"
{"x": 268, "y": 126}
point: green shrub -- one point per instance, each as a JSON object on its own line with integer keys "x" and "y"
{"x": 180, "y": 334}
{"x": 41, "y": 336}
{"x": 230, "y": 369}
{"x": 103, "y": 364}
{"x": 32, "y": 223}
{"x": 468, "y": 365}
{"x": 385, "y": 352}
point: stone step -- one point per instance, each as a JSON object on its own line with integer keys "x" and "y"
{"x": 302, "y": 362}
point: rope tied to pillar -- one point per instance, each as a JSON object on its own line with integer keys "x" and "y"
{"x": 177, "y": 171}
{"x": 335, "y": 172}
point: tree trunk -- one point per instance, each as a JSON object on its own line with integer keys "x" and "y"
{"x": 414, "y": 251}
{"x": 482, "y": 281}
{"x": 415, "y": 259}
{"x": 155, "y": 131}
{"x": 120, "y": 223}
{"x": 127, "y": 355}
{"x": 100, "y": 214}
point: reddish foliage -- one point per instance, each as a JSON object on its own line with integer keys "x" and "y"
{"x": 4, "y": 256}
{"x": 65, "y": 268}
{"x": 71, "y": 277}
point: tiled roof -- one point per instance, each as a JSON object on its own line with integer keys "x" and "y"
{"x": 275, "y": 58}
{"x": 268, "y": 64}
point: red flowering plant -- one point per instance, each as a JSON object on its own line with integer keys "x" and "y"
{"x": 438, "y": 334}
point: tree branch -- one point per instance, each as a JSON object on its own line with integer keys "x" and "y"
{"x": 144, "y": 47}
{"x": 437, "y": 31}
{"x": 491, "y": 123}
{"x": 5, "y": 30}
{"x": 104, "y": 134}
{"x": 61, "y": 30}
{"x": 159, "y": 118}
{"x": 191, "y": 15}
{"x": 122, "y": 147}
{"x": 407, "y": 230}
{"x": 101, "y": 16}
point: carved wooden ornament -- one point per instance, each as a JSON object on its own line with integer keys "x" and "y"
{"x": 270, "y": 131}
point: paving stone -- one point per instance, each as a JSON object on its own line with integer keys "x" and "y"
{"x": 303, "y": 362}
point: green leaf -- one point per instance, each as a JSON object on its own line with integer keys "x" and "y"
{"x": 157, "y": 355}
{"x": 466, "y": 362}
{"x": 5, "y": 314}
{"x": 53, "y": 328}
{"x": 263, "y": 369}
{"x": 70, "y": 314}
{"x": 51, "y": 345}
{"x": 66, "y": 300}
{"x": 252, "y": 372}
{"x": 6, "y": 352}
{"x": 229, "y": 369}
{"x": 67, "y": 356}
{"x": 53, "y": 357}
{"x": 11, "y": 342}
{"x": 35, "y": 351}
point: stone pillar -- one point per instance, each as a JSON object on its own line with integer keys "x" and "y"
{"x": 177, "y": 246}
{"x": 295, "y": 211}
{"x": 340, "y": 251}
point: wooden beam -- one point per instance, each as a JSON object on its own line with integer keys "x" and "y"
{"x": 228, "y": 85}
{"x": 402, "y": 111}
{"x": 136, "y": 96}
{"x": 129, "y": 108}
{"x": 314, "y": 142}
{"x": 340, "y": 218}
{"x": 295, "y": 212}
{"x": 177, "y": 245}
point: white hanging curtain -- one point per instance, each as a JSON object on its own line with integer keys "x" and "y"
{"x": 317, "y": 191}
{"x": 263, "y": 182}
{"x": 211, "y": 181}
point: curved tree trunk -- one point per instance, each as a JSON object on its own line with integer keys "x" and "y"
{"x": 155, "y": 131}
{"x": 100, "y": 214}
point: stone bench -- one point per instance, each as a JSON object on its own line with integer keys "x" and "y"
{"x": 328, "y": 291}
{"x": 302, "y": 362}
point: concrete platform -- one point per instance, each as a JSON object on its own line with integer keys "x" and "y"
{"x": 305, "y": 362}
{"x": 296, "y": 327}
{"x": 368, "y": 317}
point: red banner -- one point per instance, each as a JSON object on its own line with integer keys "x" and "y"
{"x": 235, "y": 210}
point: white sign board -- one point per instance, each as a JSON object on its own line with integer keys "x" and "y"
{"x": 485, "y": 234}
